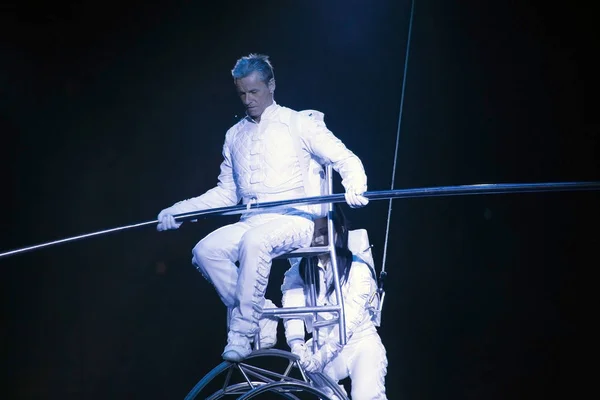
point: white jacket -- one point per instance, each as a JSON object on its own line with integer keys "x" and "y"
{"x": 260, "y": 161}
{"x": 358, "y": 292}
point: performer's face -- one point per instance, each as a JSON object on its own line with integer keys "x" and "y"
{"x": 320, "y": 235}
{"x": 255, "y": 94}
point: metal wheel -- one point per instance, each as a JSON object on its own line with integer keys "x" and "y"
{"x": 304, "y": 390}
{"x": 268, "y": 373}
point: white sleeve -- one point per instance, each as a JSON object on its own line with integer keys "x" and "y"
{"x": 321, "y": 142}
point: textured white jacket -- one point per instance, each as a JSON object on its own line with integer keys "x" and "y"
{"x": 261, "y": 161}
{"x": 358, "y": 292}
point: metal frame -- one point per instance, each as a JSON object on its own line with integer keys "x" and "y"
{"x": 313, "y": 251}
{"x": 248, "y": 379}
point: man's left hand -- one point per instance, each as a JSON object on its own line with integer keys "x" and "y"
{"x": 355, "y": 200}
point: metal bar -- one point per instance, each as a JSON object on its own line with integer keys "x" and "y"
{"x": 400, "y": 194}
{"x": 305, "y": 252}
{"x": 298, "y": 310}
{"x": 336, "y": 275}
{"x": 74, "y": 238}
{"x": 339, "y": 198}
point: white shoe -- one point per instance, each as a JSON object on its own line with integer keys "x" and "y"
{"x": 235, "y": 353}
{"x": 238, "y": 347}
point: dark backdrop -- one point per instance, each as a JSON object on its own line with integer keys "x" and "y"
{"x": 110, "y": 113}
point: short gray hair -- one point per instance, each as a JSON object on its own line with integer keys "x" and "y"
{"x": 253, "y": 63}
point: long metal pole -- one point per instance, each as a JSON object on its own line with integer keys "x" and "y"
{"x": 441, "y": 191}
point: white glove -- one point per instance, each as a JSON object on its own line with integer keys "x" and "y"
{"x": 307, "y": 360}
{"x": 354, "y": 199}
{"x": 299, "y": 348}
{"x": 166, "y": 220}
{"x": 324, "y": 355}
{"x": 314, "y": 363}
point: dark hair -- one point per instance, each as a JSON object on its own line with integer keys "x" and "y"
{"x": 343, "y": 254}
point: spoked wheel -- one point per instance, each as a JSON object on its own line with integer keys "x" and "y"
{"x": 265, "y": 374}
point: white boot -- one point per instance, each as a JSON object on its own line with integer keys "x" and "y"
{"x": 267, "y": 326}
{"x": 238, "y": 347}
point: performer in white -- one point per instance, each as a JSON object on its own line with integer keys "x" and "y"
{"x": 363, "y": 358}
{"x": 268, "y": 155}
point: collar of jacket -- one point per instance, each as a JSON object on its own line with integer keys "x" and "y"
{"x": 269, "y": 112}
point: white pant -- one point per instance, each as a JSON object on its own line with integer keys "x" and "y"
{"x": 253, "y": 241}
{"x": 364, "y": 360}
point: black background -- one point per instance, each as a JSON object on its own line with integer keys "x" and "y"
{"x": 110, "y": 113}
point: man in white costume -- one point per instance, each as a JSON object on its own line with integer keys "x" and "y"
{"x": 265, "y": 158}
{"x": 363, "y": 357}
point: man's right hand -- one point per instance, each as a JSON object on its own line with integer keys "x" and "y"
{"x": 166, "y": 220}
